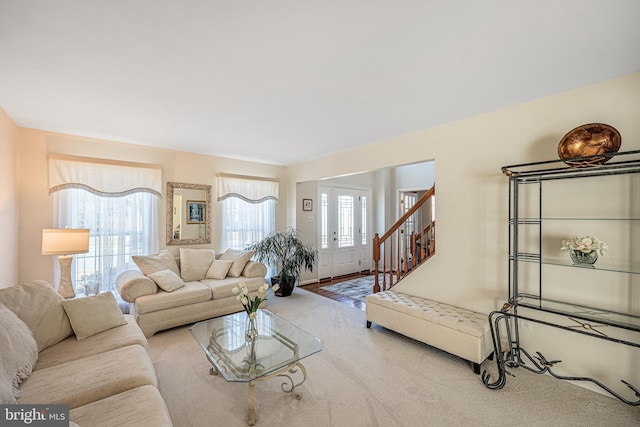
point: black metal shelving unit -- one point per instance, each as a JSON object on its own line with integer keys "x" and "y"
{"x": 528, "y": 301}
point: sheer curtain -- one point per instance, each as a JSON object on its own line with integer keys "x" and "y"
{"x": 248, "y": 209}
{"x": 245, "y": 223}
{"x": 120, "y": 227}
{"x": 117, "y": 201}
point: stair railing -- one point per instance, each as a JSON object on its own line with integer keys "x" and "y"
{"x": 401, "y": 249}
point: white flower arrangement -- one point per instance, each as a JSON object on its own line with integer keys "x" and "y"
{"x": 251, "y": 304}
{"x": 585, "y": 244}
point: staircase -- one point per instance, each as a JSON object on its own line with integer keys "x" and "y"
{"x": 408, "y": 243}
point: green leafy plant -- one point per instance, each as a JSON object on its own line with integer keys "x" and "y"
{"x": 285, "y": 251}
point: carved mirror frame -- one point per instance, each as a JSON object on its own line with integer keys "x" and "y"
{"x": 171, "y": 186}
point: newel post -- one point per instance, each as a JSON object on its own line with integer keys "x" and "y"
{"x": 376, "y": 261}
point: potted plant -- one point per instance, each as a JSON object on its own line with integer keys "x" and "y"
{"x": 284, "y": 251}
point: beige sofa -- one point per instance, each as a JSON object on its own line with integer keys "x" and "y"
{"x": 82, "y": 352}
{"x": 171, "y": 291}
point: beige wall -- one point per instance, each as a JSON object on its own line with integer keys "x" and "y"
{"x": 470, "y": 267}
{"x": 36, "y": 203}
{"x": 8, "y": 201}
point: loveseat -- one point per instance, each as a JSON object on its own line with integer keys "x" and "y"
{"x": 82, "y": 352}
{"x": 169, "y": 291}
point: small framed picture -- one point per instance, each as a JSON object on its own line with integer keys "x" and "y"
{"x": 195, "y": 211}
{"x": 307, "y": 204}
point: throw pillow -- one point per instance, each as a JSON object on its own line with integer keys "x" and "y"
{"x": 93, "y": 314}
{"x": 239, "y": 258}
{"x": 18, "y": 351}
{"x": 219, "y": 269}
{"x": 39, "y": 306}
{"x": 167, "y": 280}
{"x": 149, "y": 264}
{"x": 194, "y": 263}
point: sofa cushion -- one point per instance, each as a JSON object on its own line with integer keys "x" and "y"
{"x": 93, "y": 314}
{"x": 6, "y": 391}
{"x": 190, "y": 293}
{"x": 89, "y": 379}
{"x": 71, "y": 349}
{"x": 219, "y": 269}
{"x": 239, "y": 258}
{"x": 132, "y": 284}
{"x": 167, "y": 280}
{"x": 163, "y": 260}
{"x": 138, "y": 407}
{"x": 18, "y": 352}
{"x": 39, "y": 306}
{"x": 194, "y": 263}
{"x": 224, "y": 288}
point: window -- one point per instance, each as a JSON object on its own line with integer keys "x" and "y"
{"x": 248, "y": 209}
{"x": 245, "y": 223}
{"x": 345, "y": 221}
{"x": 120, "y": 227}
{"x": 364, "y": 221}
{"x": 117, "y": 201}
{"x": 324, "y": 221}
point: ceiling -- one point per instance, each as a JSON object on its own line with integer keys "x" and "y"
{"x": 285, "y": 81}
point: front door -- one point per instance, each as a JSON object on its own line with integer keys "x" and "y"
{"x": 344, "y": 237}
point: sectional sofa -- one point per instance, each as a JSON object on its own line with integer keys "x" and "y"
{"x": 82, "y": 352}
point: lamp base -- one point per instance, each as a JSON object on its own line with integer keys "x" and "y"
{"x": 66, "y": 285}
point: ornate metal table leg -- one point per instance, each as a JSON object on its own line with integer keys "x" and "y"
{"x": 252, "y": 403}
{"x": 287, "y": 387}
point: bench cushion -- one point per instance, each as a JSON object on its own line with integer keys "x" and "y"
{"x": 465, "y": 321}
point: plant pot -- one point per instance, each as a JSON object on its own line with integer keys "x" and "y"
{"x": 286, "y": 286}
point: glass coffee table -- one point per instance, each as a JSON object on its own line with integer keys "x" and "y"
{"x": 276, "y": 352}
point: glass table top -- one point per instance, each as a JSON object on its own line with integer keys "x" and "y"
{"x": 279, "y": 344}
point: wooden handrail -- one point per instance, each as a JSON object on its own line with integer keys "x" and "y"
{"x": 421, "y": 201}
{"x": 403, "y": 268}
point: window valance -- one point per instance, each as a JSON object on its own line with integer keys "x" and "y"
{"x": 108, "y": 178}
{"x": 249, "y": 189}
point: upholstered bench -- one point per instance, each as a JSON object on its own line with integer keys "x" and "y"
{"x": 455, "y": 330}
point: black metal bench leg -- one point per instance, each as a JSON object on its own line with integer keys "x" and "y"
{"x": 368, "y": 324}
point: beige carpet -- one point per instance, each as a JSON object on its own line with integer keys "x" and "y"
{"x": 370, "y": 377}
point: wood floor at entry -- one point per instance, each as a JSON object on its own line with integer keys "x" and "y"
{"x": 316, "y": 288}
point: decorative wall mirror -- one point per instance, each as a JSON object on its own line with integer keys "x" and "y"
{"x": 188, "y": 214}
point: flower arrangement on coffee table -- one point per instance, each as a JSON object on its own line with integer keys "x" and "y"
{"x": 251, "y": 304}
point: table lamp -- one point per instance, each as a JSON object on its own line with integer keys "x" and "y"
{"x": 65, "y": 242}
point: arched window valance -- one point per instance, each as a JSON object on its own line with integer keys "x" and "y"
{"x": 107, "y": 178}
{"x": 249, "y": 189}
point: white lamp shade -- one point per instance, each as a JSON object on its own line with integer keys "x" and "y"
{"x": 65, "y": 241}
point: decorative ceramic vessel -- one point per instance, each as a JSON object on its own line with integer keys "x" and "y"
{"x": 579, "y": 257}
{"x": 592, "y": 139}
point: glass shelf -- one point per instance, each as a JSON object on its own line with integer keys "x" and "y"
{"x": 526, "y": 257}
{"x": 621, "y": 320}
